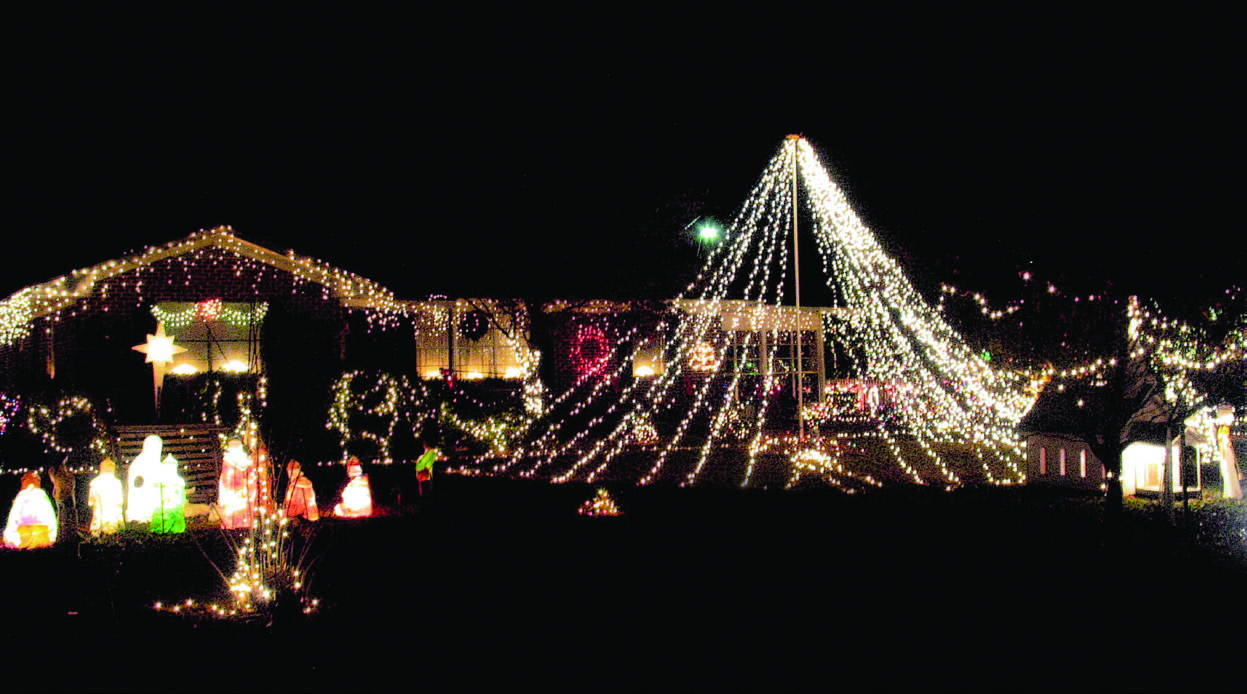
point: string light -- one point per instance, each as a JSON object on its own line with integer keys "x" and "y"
{"x": 944, "y": 394}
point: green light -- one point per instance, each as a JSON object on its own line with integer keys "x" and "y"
{"x": 708, "y": 232}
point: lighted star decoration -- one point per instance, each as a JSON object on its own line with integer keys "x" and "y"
{"x": 945, "y": 399}
{"x": 159, "y": 349}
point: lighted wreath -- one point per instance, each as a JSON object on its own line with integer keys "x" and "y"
{"x": 56, "y": 425}
{"x": 590, "y": 350}
{"x": 473, "y": 325}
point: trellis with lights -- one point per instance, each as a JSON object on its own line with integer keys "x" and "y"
{"x": 944, "y": 394}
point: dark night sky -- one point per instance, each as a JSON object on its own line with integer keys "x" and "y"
{"x": 562, "y": 155}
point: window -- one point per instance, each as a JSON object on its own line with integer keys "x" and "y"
{"x": 218, "y": 336}
{"x": 1062, "y": 462}
{"x": 1043, "y": 461}
{"x": 1082, "y": 463}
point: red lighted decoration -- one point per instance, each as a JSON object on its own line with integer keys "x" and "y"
{"x": 209, "y": 309}
{"x": 591, "y": 350}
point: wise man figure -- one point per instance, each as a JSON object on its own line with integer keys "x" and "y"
{"x": 142, "y": 496}
{"x": 300, "y": 496}
{"x": 357, "y": 495}
{"x": 170, "y": 513}
{"x": 105, "y": 497}
{"x": 32, "y": 520}
{"x": 65, "y": 494}
{"x": 236, "y": 492}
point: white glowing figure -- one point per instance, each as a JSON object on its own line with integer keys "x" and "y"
{"x": 300, "y": 496}
{"x": 236, "y": 493}
{"x": 32, "y": 520}
{"x": 357, "y": 496}
{"x": 106, "y": 498}
{"x": 1231, "y": 487}
{"x": 141, "y": 481}
{"x": 169, "y": 516}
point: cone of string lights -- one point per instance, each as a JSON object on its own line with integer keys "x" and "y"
{"x": 736, "y": 342}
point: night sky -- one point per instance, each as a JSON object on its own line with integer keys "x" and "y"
{"x": 548, "y": 155}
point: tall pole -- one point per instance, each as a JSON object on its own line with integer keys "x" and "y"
{"x": 796, "y": 278}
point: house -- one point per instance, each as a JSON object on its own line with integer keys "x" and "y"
{"x": 252, "y": 328}
{"x": 1058, "y": 455}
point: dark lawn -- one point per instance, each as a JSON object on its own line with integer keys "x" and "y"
{"x": 500, "y": 582}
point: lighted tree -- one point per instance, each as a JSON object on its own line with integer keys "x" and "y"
{"x": 1160, "y": 372}
{"x": 944, "y": 393}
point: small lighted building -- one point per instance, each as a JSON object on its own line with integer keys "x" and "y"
{"x": 1066, "y": 461}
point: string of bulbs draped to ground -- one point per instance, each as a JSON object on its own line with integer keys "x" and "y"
{"x": 932, "y": 398}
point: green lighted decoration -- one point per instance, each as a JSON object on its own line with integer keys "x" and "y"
{"x": 169, "y": 515}
{"x": 212, "y": 310}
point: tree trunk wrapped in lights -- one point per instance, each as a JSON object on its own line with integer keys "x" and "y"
{"x": 106, "y": 497}
{"x": 32, "y": 519}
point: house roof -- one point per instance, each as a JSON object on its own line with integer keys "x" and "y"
{"x": 37, "y": 301}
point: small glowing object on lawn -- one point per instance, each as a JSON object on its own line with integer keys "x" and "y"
{"x": 513, "y": 372}
{"x": 357, "y": 496}
{"x": 106, "y": 497}
{"x": 32, "y": 519}
{"x": 140, "y": 482}
{"x": 600, "y": 505}
{"x": 645, "y": 371}
{"x": 433, "y": 374}
{"x": 234, "y": 366}
{"x": 184, "y": 370}
{"x": 473, "y": 375}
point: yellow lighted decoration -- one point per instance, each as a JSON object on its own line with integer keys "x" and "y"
{"x": 184, "y": 370}
{"x": 159, "y": 349}
{"x": 600, "y": 505}
{"x": 32, "y": 519}
{"x": 235, "y": 367}
{"x": 106, "y": 497}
